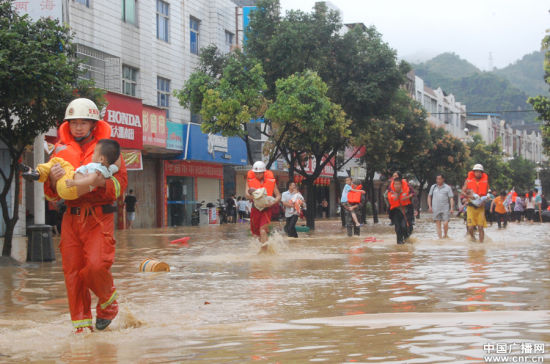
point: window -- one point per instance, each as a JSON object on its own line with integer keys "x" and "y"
{"x": 129, "y": 11}
{"x": 84, "y": 2}
{"x": 162, "y": 20}
{"x": 229, "y": 40}
{"x": 194, "y": 35}
{"x": 129, "y": 80}
{"x": 163, "y": 94}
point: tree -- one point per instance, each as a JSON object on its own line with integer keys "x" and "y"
{"x": 523, "y": 173}
{"x": 38, "y": 75}
{"x": 414, "y": 133}
{"x": 544, "y": 175}
{"x": 378, "y": 139}
{"x": 227, "y": 92}
{"x": 313, "y": 127}
{"x": 541, "y": 104}
{"x": 364, "y": 78}
{"x": 444, "y": 154}
{"x": 491, "y": 157}
{"x": 360, "y": 70}
{"x": 292, "y": 43}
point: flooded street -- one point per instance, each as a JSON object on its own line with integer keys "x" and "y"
{"x": 322, "y": 297}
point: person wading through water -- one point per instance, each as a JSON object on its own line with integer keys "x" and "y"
{"x": 260, "y": 213}
{"x": 478, "y": 183}
{"x": 398, "y": 199}
{"x": 87, "y": 236}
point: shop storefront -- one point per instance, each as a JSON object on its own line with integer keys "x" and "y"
{"x": 125, "y": 114}
{"x": 196, "y": 175}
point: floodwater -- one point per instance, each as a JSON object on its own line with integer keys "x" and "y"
{"x": 323, "y": 297}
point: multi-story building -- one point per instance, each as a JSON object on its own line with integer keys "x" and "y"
{"x": 521, "y": 141}
{"x": 140, "y": 52}
{"x": 443, "y": 109}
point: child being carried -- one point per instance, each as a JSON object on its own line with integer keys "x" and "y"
{"x": 474, "y": 199}
{"x": 75, "y": 183}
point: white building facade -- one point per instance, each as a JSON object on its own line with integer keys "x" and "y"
{"x": 515, "y": 141}
{"x": 140, "y": 52}
{"x": 147, "y": 49}
{"x": 443, "y": 110}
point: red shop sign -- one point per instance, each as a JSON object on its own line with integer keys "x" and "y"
{"x": 154, "y": 126}
{"x": 193, "y": 169}
{"x": 328, "y": 170}
{"x": 124, "y": 114}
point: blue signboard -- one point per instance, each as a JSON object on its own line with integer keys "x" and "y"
{"x": 175, "y": 137}
{"x": 213, "y": 147}
{"x": 246, "y": 19}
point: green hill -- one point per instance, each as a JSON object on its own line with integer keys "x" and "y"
{"x": 527, "y": 74}
{"x": 479, "y": 91}
{"x": 450, "y": 65}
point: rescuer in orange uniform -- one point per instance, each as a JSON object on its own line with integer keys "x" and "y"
{"x": 478, "y": 182}
{"x": 398, "y": 200}
{"x": 407, "y": 203}
{"x": 258, "y": 178}
{"x": 87, "y": 235}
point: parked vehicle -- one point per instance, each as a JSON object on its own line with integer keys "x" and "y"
{"x": 222, "y": 211}
{"x": 196, "y": 215}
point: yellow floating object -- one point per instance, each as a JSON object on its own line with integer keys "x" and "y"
{"x": 152, "y": 265}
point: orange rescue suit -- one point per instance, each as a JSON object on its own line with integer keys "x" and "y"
{"x": 268, "y": 183}
{"x": 354, "y": 196}
{"x": 87, "y": 243}
{"x": 405, "y": 188}
{"x": 479, "y": 187}
{"x": 397, "y": 200}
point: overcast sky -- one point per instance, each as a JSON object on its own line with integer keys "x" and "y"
{"x": 421, "y": 29}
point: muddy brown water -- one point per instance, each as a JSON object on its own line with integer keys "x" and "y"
{"x": 320, "y": 298}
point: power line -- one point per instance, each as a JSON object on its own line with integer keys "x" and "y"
{"x": 480, "y": 112}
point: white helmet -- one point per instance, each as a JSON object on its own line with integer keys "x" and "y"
{"x": 258, "y": 167}
{"x": 478, "y": 167}
{"x": 82, "y": 109}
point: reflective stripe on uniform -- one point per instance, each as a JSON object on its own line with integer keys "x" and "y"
{"x": 52, "y": 199}
{"x": 82, "y": 323}
{"x": 117, "y": 186}
{"x": 109, "y": 301}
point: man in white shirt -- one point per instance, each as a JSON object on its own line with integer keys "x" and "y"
{"x": 290, "y": 200}
{"x": 441, "y": 203}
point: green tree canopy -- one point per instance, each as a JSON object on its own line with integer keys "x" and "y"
{"x": 310, "y": 125}
{"x": 39, "y": 75}
{"x": 523, "y": 173}
{"x": 491, "y": 157}
{"x": 444, "y": 154}
{"x": 541, "y": 103}
{"x": 227, "y": 91}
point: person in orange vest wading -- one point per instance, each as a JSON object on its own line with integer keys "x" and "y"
{"x": 87, "y": 236}
{"x": 478, "y": 183}
{"x": 398, "y": 200}
{"x": 261, "y": 189}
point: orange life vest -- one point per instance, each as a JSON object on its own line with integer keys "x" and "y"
{"x": 69, "y": 149}
{"x": 268, "y": 183}
{"x": 353, "y": 196}
{"x": 514, "y": 195}
{"x": 404, "y": 188}
{"x": 480, "y": 187}
{"x": 397, "y": 200}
